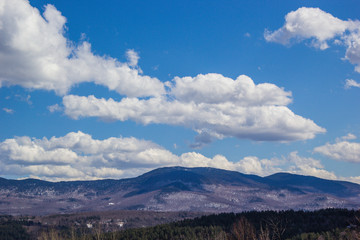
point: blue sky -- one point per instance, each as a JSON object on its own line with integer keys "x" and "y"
{"x": 112, "y": 89}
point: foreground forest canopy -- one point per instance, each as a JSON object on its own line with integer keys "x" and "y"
{"x": 266, "y": 225}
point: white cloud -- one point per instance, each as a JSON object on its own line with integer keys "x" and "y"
{"x": 351, "y": 83}
{"x": 8, "y": 110}
{"x": 54, "y": 108}
{"x": 351, "y": 179}
{"x": 320, "y": 27}
{"x": 293, "y": 163}
{"x": 248, "y": 165}
{"x": 214, "y": 88}
{"x": 308, "y": 166}
{"x": 307, "y": 23}
{"x": 212, "y": 105}
{"x": 35, "y": 54}
{"x": 349, "y": 136}
{"x": 78, "y": 156}
{"x": 261, "y": 123}
{"x": 23, "y": 149}
{"x": 133, "y": 57}
{"x": 342, "y": 150}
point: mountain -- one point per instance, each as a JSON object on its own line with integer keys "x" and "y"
{"x": 178, "y": 189}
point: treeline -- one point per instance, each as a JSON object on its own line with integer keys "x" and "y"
{"x": 13, "y": 229}
{"x": 327, "y": 224}
{"x": 280, "y": 224}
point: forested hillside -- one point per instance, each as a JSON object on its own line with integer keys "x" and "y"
{"x": 323, "y": 224}
{"x": 328, "y": 224}
{"x": 173, "y": 189}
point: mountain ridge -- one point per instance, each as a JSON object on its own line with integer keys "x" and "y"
{"x": 178, "y": 189}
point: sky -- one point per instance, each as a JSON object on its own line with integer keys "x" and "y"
{"x": 113, "y": 89}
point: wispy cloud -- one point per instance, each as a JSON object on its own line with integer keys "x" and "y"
{"x": 133, "y": 57}
{"x": 54, "y": 108}
{"x": 351, "y": 83}
{"x": 8, "y": 110}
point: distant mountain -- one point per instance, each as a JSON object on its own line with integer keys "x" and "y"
{"x": 178, "y": 189}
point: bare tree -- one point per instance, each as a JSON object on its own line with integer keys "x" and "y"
{"x": 43, "y": 236}
{"x": 51, "y": 234}
{"x": 97, "y": 231}
{"x": 113, "y": 235}
{"x": 242, "y": 229}
{"x": 277, "y": 227}
{"x": 264, "y": 233}
{"x": 72, "y": 233}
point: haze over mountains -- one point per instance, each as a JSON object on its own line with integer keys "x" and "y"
{"x": 178, "y": 189}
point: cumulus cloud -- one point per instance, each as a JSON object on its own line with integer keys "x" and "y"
{"x": 351, "y": 83}
{"x": 212, "y": 105}
{"x": 79, "y": 156}
{"x": 248, "y": 165}
{"x": 308, "y": 166}
{"x": 292, "y": 163}
{"x": 307, "y": 23}
{"x": 342, "y": 150}
{"x": 351, "y": 179}
{"x": 321, "y": 28}
{"x": 35, "y": 54}
{"x": 214, "y": 88}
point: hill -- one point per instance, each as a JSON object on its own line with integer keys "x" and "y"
{"x": 178, "y": 189}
